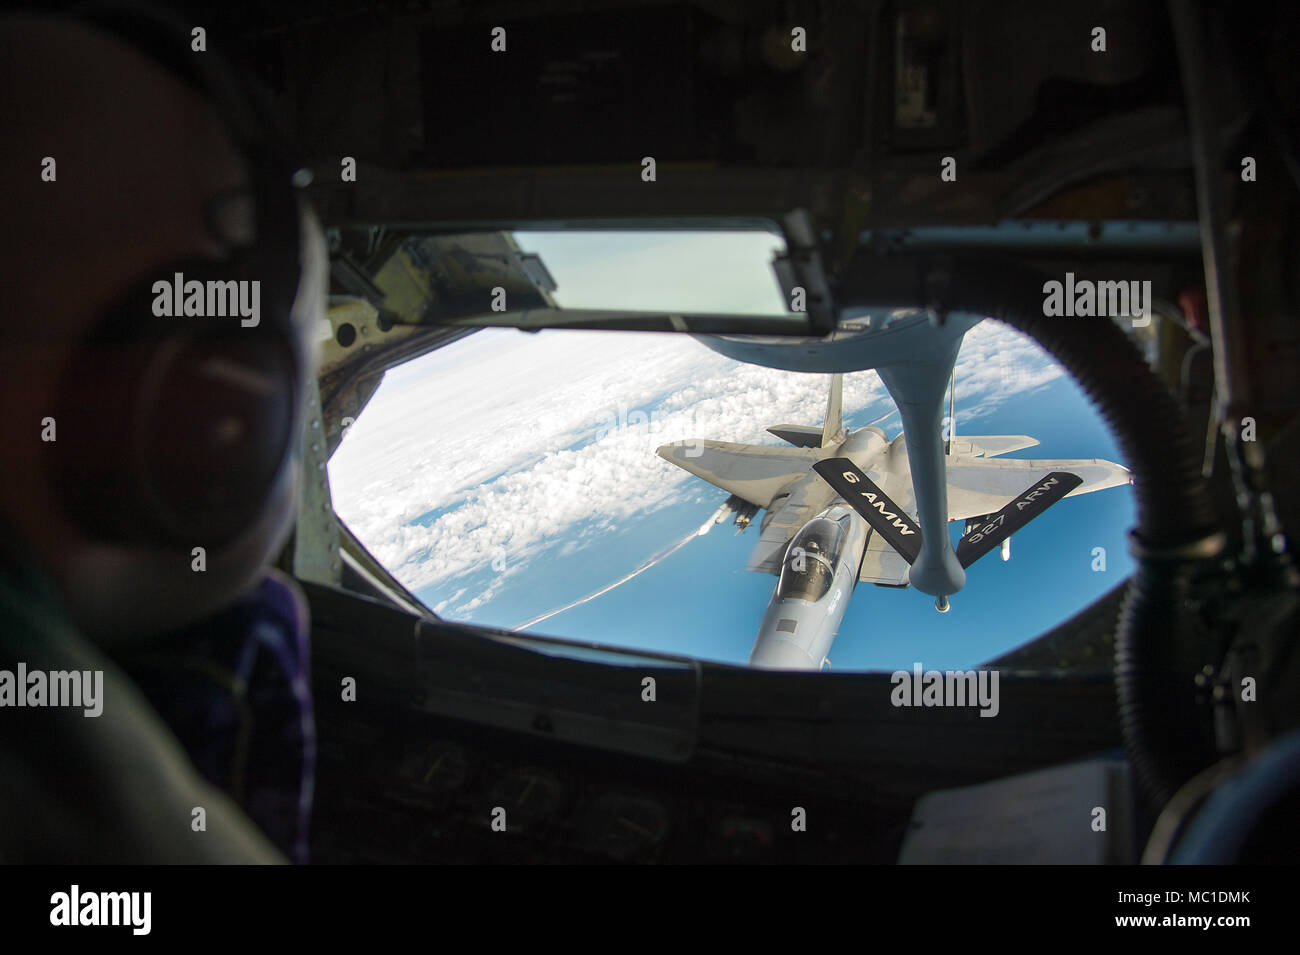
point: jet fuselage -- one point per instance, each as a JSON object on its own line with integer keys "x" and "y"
{"x": 818, "y": 576}
{"x": 820, "y": 567}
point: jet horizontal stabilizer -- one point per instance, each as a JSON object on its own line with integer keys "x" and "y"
{"x": 993, "y": 529}
{"x": 885, "y": 517}
{"x": 801, "y": 436}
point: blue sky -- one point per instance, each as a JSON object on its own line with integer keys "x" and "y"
{"x": 511, "y": 474}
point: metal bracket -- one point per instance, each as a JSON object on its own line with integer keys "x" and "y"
{"x": 316, "y": 539}
{"x": 801, "y": 267}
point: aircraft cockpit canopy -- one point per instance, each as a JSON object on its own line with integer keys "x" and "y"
{"x": 809, "y": 567}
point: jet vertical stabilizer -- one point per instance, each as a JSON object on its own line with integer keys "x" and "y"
{"x": 829, "y": 435}
{"x": 833, "y": 426}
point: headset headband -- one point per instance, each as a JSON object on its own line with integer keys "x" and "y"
{"x": 179, "y": 426}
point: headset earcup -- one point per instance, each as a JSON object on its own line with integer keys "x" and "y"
{"x": 216, "y": 422}
{"x": 172, "y": 430}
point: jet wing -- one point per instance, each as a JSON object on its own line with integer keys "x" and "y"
{"x": 756, "y": 473}
{"x": 882, "y": 565}
{"x": 990, "y": 445}
{"x": 982, "y": 486}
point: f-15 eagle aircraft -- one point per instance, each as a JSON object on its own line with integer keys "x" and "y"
{"x": 840, "y": 509}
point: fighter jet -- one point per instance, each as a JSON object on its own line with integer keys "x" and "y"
{"x": 841, "y": 509}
